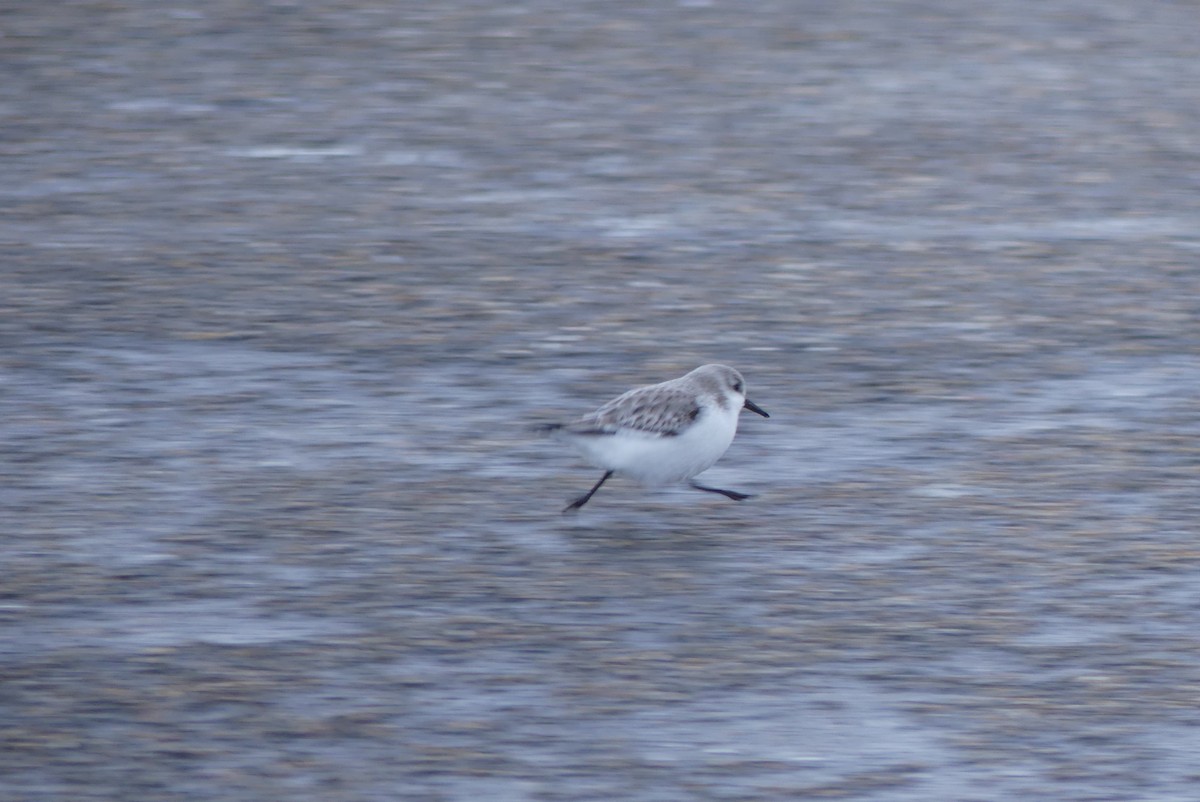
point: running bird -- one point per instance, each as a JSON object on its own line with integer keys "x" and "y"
{"x": 663, "y": 433}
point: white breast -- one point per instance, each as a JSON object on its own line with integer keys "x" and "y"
{"x": 653, "y": 460}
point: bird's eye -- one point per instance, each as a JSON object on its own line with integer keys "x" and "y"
{"x": 738, "y": 387}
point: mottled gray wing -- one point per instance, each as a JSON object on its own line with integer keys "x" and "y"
{"x": 655, "y": 410}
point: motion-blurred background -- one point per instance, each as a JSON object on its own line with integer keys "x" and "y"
{"x": 283, "y": 284}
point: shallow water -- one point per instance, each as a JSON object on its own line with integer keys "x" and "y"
{"x": 284, "y": 289}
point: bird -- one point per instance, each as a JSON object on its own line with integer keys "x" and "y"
{"x": 662, "y": 433}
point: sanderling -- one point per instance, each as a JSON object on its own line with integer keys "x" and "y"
{"x": 664, "y": 432}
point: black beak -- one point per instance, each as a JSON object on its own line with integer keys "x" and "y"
{"x": 753, "y": 407}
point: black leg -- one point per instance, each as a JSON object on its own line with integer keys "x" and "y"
{"x": 579, "y": 502}
{"x": 733, "y": 494}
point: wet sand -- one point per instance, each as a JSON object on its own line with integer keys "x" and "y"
{"x": 284, "y": 286}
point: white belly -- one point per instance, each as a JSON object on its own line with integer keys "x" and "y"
{"x": 652, "y": 460}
